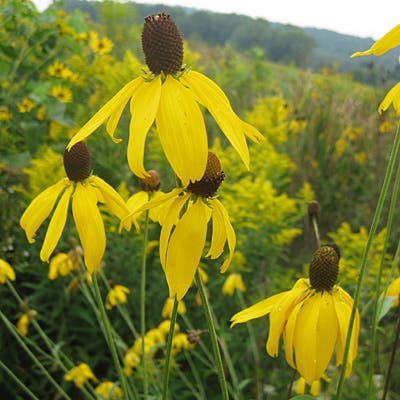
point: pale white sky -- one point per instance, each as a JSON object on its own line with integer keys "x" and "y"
{"x": 363, "y": 18}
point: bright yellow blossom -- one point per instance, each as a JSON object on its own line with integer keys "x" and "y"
{"x": 116, "y": 295}
{"x": 5, "y": 114}
{"x": 166, "y": 312}
{"x": 6, "y": 271}
{"x": 101, "y": 46}
{"x": 80, "y": 374}
{"x": 165, "y": 326}
{"x": 25, "y": 105}
{"x": 61, "y": 264}
{"x": 109, "y": 391}
{"x": 61, "y": 93}
{"x": 312, "y": 317}
{"x": 86, "y": 191}
{"x": 171, "y": 97}
{"x": 180, "y": 342}
{"x": 394, "y": 291}
{"x": 131, "y": 361}
{"x": 23, "y": 324}
{"x": 232, "y": 282}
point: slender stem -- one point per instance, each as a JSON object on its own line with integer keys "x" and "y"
{"x": 379, "y": 279}
{"x": 109, "y": 336}
{"x": 18, "y": 381}
{"x": 14, "y": 332}
{"x": 143, "y": 304}
{"x": 316, "y": 231}
{"x": 374, "y": 225}
{"x": 394, "y": 349}
{"x": 174, "y": 314}
{"x": 213, "y": 336}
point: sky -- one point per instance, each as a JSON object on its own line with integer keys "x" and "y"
{"x": 353, "y": 17}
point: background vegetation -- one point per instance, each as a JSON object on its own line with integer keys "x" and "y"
{"x": 325, "y": 141}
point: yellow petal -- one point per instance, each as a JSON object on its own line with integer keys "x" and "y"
{"x": 384, "y": 44}
{"x": 89, "y": 225}
{"x": 185, "y": 248}
{"x": 392, "y": 96}
{"x": 144, "y": 108}
{"x": 257, "y": 310}
{"x": 214, "y": 99}
{"x": 228, "y": 233}
{"x": 278, "y": 317}
{"x": 112, "y": 199}
{"x": 182, "y": 131}
{"x": 40, "y": 208}
{"x": 171, "y": 219}
{"x": 288, "y": 335}
{"x": 114, "y": 106}
{"x": 56, "y": 226}
{"x": 305, "y": 338}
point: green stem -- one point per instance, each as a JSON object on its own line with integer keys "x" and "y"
{"x": 17, "y": 336}
{"x": 379, "y": 280}
{"x": 213, "y": 336}
{"x": 143, "y": 304}
{"x": 109, "y": 336}
{"x": 167, "y": 365}
{"x": 18, "y": 381}
{"x": 374, "y": 225}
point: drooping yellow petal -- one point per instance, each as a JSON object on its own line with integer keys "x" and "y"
{"x": 56, "y": 225}
{"x": 185, "y": 248}
{"x": 170, "y": 220}
{"x": 40, "y": 208}
{"x": 257, "y": 310}
{"x": 112, "y": 109}
{"x": 229, "y": 233}
{"x": 384, "y": 44}
{"x": 392, "y": 96}
{"x": 218, "y": 236}
{"x": 305, "y": 338}
{"x": 278, "y": 317}
{"x": 89, "y": 225}
{"x": 214, "y": 99}
{"x": 182, "y": 132}
{"x": 343, "y": 306}
{"x": 288, "y": 335}
{"x": 112, "y": 199}
{"x": 327, "y": 332}
{"x": 143, "y": 108}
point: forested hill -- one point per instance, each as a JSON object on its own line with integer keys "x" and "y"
{"x": 287, "y": 44}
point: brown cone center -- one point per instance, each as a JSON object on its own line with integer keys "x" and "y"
{"x": 77, "y": 162}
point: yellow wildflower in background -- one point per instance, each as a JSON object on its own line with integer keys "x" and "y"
{"x": 387, "y": 42}
{"x": 23, "y": 324}
{"x": 56, "y": 69}
{"x": 166, "y": 312}
{"x": 101, "y": 46}
{"x": 312, "y": 317}
{"x": 116, "y": 295}
{"x": 394, "y": 291}
{"x": 171, "y": 96}
{"x": 165, "y": 326}
{"x": 5, "y": 114}
{"x": 61, "y": 264}
{"x": 80, "y": 374}
{"x": 6, "y": 271}
{"x": 25, "y": 105}
{"x": 109, "y": 391}
{"x": 184, "y": 229}
{"x": 86, "y": 191}
{"x": 180, "y": 342}
{"x": 233, "y": 282}
{"x": 61, "y": 93}
{"x": 131, "y": 361}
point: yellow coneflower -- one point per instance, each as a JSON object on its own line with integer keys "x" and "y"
{"x": 61, "y": 93}
{"x": 25, "y": 105}
{"x": 233, "y": 282}
{"x": 80, "y": 374}
{"x": 101, "y": 46}
{"x": 86, "y": 191}
{"x": 170, "y": 95}
{"x": 184, "y": 229}
{"x": 312, "y": 317}
{"x": 56, "y": 69}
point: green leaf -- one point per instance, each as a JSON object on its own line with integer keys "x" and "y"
{"x": 384, "y": 305}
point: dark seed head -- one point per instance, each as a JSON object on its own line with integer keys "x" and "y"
{"x": 150, "y": 183}
{"x": 77, "y": 162}
{"x": 324, "y": 268}
{"x": 162, "y": 44}
{"x": 211, "y": 180}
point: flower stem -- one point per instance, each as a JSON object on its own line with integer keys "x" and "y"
{"x": 17, "y": 336}
{"x": 174, "y": 314}
{"x": 374, "y": 225}
{"x": 213, "y": 337}
{"x": 143, "y": 305}
{"x": 109, "y": 336}
{"x": 379, "y": 279}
